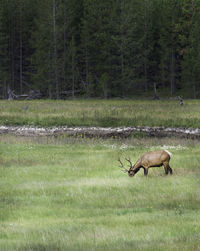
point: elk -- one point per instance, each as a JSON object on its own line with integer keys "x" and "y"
{"x": 147, "y": 160}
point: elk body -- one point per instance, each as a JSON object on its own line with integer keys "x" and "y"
{"x": 147, "y": 160}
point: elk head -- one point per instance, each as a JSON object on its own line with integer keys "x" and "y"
{"x": 130, "y": 171}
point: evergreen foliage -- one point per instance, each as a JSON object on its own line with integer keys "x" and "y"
{"x": 100, "y": 48}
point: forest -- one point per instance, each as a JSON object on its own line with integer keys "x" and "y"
{"x": 106, "y": 49}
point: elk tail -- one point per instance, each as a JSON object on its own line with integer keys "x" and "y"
{"x": 170, "y": 154}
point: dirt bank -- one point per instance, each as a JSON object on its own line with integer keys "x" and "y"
{"x": 123, "y": 132}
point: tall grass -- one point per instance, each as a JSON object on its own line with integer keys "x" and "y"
{"x": 105, "y": 113}
{"x": 70, "y": 194}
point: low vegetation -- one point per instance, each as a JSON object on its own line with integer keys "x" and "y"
{"x": 112, "y": 113}
{"x": 70, "y": 194}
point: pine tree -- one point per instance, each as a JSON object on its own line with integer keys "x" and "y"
{"x": 4, "y": 70}
{"x": 44, "y": 42}
{"x": 191, "y": 49}
{"x": 141, "y": 43}
{"x": 71, "y": 13}
{"x": 97, "y": 31}
{"x": 168, "y": 42}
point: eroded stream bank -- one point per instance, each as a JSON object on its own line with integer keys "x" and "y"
{"x": 120, "y": 132}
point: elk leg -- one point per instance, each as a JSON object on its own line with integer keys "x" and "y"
{"x": 166, "y": 167}
{"x": 145, "y": 171}
{"x": 170, "y": 170}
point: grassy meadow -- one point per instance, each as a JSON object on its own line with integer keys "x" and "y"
{"x": 112, "y": 113}
{"x": 70, "y": 194}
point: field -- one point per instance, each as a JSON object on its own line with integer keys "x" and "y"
{"x": 167, "y": 113}
{"x": 70, "y": 194}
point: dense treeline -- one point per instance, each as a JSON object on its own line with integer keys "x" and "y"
{"x": 93, "y": 48}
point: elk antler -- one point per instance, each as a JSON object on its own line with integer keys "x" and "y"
{"x": 129, "y": 160}
{"x": 122, "y": 166}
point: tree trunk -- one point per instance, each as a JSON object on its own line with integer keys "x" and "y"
{"x": 122, "y": 75}
{"x": 73, "y": 63}
{"x": 65, "y": 49}
{"x": 21, "y": 52}
{"x": 55, "y": 50}
{"x": 145, "y": 48}
{"x": 4, "y": 92}
{"x": 172, "y": 72}
{"x": 11, "y": 49}
{"x": 86, "y": 69}
{"x": 73, "y": 81}
{"x": 194, "y": 91}
{"x": 122, "y": 48}
{"x": 163, "y": 74}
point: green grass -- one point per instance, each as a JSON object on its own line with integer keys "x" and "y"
{"x": 70, "y": 194}
{"x": 46, "y": 113}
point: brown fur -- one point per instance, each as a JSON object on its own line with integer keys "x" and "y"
{"x": 151, "y": 159}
